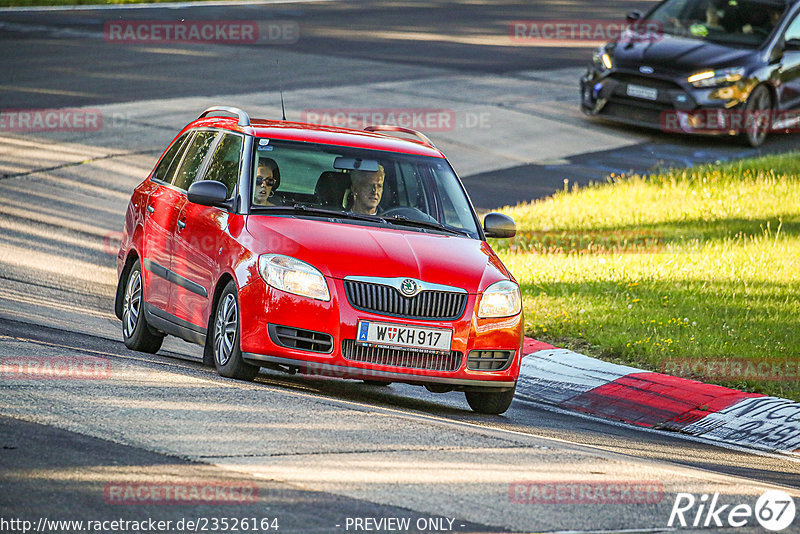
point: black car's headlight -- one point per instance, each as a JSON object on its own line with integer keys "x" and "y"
{"x": 602, "y": 59}
{"x": 713, "y": 78}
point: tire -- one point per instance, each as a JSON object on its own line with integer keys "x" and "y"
{"x": 489, "y": 402}
{"x": 226, "y": 347}
{"x": 135, "y": 331}
{"x": 756, "y": 128}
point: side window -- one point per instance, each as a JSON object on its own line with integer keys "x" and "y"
{"x": 195, "y": 154}
{"x": 226, "y": 162}
{"x": 793, "y": 30}
{"x": 166, "y": 167}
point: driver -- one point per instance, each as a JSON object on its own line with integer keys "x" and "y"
{"x": 268, "y": 178}
{"x": 367, "y": 188}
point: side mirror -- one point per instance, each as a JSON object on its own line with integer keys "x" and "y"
{"x": 499, "y": 225}
{"x": 633, "y": 16}
{"x": 209, "y": 193}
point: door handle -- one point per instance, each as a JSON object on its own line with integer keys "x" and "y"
{"x": 150, "y": 209}
{"x": 181, "y": 224}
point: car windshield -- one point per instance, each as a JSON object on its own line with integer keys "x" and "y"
{"x": 349, "y": 185}
{"x": 735, "y": 22}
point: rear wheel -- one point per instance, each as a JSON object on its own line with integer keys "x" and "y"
{"x": 490, "y": 402}
{"x": 226, "y": 349}
{"x": 135, "y": 331}
{"x": 757, "y": 114}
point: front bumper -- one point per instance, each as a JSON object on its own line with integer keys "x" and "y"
{"x": 664, "y": 104}
{"x": 263, "y": 307}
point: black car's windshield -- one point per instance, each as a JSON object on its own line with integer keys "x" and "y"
{"x": 736, "y": 22}
{"x": 386, "y": 188}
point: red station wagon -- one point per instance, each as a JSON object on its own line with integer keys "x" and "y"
{"x": 320, "y": 250}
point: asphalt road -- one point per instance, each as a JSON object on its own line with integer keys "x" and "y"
{"x": 66, "y": 58}
{"x": 319, "y": 451}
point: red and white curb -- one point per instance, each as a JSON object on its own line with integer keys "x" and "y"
{"x": 574, "y": 381}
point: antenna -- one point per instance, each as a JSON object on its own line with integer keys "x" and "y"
{"x": 280, "y": 85}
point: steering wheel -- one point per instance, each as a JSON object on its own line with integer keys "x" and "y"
{"x": 410, "y": 213}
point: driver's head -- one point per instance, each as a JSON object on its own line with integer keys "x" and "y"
{"x": 268, "y": 178}
{"x": 367, "y": 190}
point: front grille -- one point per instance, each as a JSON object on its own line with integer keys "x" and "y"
{"x": 295, "y": 338}
{"x": 646, "y": 81}
{"x": 489, "y": 360}
{"x": 386, "y": 300}
{"x": 630, "y": 111}
{"x": 409, "y": 359}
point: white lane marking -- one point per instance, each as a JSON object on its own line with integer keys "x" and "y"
{"x": 163, "y": 5}
{"x": 768, "y": 422}
{"x": 776, "y": 455}
{"x": 557, "y": 375}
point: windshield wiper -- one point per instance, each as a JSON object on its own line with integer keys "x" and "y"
{"x": 405, "y": 221}
{"x": 334, "y": 214}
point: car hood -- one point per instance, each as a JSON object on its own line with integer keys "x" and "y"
{"x": 340, "y": 249}
{"x": 677, "y": 54}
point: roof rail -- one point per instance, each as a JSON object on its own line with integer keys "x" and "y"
{"x": 390, "y": 128}
{"x": 244, "y": 118}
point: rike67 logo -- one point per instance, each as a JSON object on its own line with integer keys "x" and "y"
{"x": 774, "y": 511}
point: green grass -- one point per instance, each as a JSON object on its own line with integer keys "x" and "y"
{"x": 700, "y": 264}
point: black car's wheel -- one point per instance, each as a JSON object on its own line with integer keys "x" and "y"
{"x": 757, "y": 116}
{"x": 227, "y": 352}
{"x": 135, "y": 332}
{"x": 490, "y": 402}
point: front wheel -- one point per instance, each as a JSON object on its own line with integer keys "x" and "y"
{"x": 135, "y": 332}
{"x": 758, "y": 116}
{"x": 226, "y": 349}
{"x": 490, "y": 402}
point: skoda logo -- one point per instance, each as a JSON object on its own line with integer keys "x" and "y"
{"x": 408, "y": 287}
{"x": 646, "y": 70}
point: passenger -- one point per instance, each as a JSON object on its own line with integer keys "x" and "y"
{"x": 367, "y": 190}
{"x": 713, "y": 18}
{"x": 268, "y": 178}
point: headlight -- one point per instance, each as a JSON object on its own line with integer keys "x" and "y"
{"x": 293, "y": 276}
{"x": 712, "y": 78}
{"x": 602, "y": 58}
{"x": 501, "y": 299}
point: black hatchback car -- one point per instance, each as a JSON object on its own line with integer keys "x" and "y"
{"x": 702, "y": 66}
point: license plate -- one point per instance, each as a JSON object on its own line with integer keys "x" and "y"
{"x": 409, "y": 337}
{"x": 638, "y": 91}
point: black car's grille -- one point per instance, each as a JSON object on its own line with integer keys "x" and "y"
{"x": 386, "y": 300}
{"x": 489, "y": 360}
{"x": 632, "y": 112}
{"x": 646, "y": 81}
{"x": 295, "y": 338}
{"x": 409, "y": 359}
